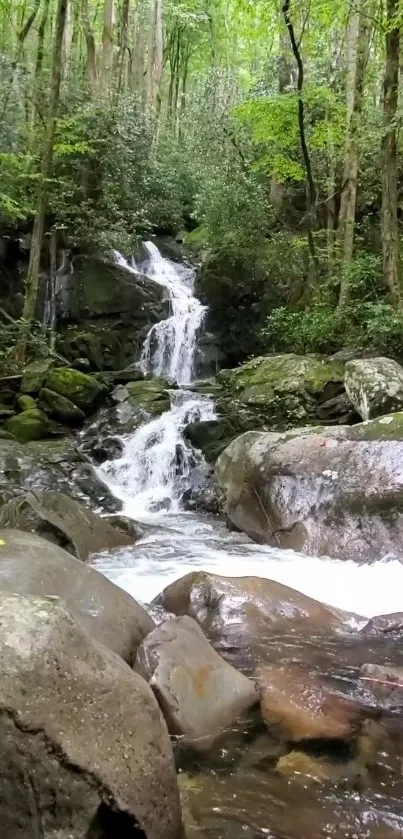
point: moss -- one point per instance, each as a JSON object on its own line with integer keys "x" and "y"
{"x": 83, "y": 390}
{"x": 32, "y": 424}
{"x": 26, "y": 402}
{"x": 34, "y": 375}
{"x": 197, "y": 239}
{"x": 60, "y": 408}
{"x": 389, "y": 427}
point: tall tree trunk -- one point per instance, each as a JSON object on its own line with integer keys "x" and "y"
{"x": 107, "y": 44}
{"x": 92, "y": 71}
{"x": 390, "y": 230}
{"x": 23, "y": 33}
{"x": 284, "y": 73}
{"x": 32, "y": 279}
{"x": 311, "y": 188}
{"x": 156, "y": 56}
{"x": 358, "y": 38}
{"x": 123, "y": 44}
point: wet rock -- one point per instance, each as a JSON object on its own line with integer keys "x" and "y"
{"x": 199, "y": 694}
{"x": 384, "y": 625}
{"x": 300, "y": 765}
{"x": 26, "y": 402}
{"x": 83, "y": 390}
{"x": 383, "y": 685}
{"x": 31, "y": 424}
{"x": 151, "y": 395}
{"x": 283, "y": 391}
{"x": 374, "y": 386}
{"x": 211, "y": 437}
{"x": 64, "y": 522}
{"x": 30, "y": 565}
{"x": 320, "y": 491}
{"x": 244, "y": 617}
{"x": 203, "y": 499}
{"x": 34, "y": 375}
{"x": 297, "y": 706}
{"x": 84, "y": 748}
{"x": 54, "y": 465}
{"x": 59, "y": 408}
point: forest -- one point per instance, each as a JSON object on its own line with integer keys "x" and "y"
{"x": 262, "y": 135}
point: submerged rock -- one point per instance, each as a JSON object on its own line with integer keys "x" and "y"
{"x": 297, "y": 706}
{"x": 199, "y": 693}
{"x": 84, "y": 749}
{"x": 31, "y": 565}
{"x": 327, "y": 491}
{"x": 64, "y": 522}
{"x": 374, "y": 386}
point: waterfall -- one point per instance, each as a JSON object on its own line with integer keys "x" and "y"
{"x": 157, "y": 461}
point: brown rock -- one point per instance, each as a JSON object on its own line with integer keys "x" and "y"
{"x": 31, "y": 565}
{"x": 84, "y": 750}
{"x": 298, "y": 707}
{"x": 199, "y": 693}
{"x": 242, "y": 616}
{"x": 65, "y": 522}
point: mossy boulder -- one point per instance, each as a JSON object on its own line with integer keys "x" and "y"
{"x": 284, "y": 391}
{"x": 149, "y": 395}
{"x": 59, "y": 408}
{"x": 26, "y": 402}
{"x": 196, "y": 240}
{"x": 34, "y": 375}
{"x": 81, "y": 389}
{"x": 32, "y": 424}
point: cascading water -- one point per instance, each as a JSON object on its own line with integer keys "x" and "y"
{"x": 157, "y": 461}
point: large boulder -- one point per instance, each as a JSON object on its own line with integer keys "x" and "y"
{"x": 59, "y": 408}
{"x": 321, "y": 491}
{"x": 149, "y": 396}
{"x": 52, "y": 465}
{"x": 84, "y": 749}
{"x": 199, "y": 693}
{"x": 105, "y": 311}
{"x": 31, "y": 424}
{"x": 284, "y": 391}
{"x": 32, "y": 565}
{"x": 82, "y": 390}
{"x": 63, "y": 521}
{"x": 241, "y": 616}
{"x": 374, "y": 386}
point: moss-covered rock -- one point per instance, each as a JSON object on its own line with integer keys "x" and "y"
{"x": 5, "y": 412}
{"x": 149, "y": 395}
{"x": 25, "y": 402}
{"x": 83, "y": 390}
{"x": 196, "y": 240}
{"x": 59, "y": 408}
{"x": 32, "y": 424}
{"x": 284, "y": 391}
{"x": 34, "y": 375}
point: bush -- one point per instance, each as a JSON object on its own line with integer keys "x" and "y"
{"x": 37, "y": 345}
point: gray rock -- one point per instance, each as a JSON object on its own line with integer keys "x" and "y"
{"x": 199, "y": 693}
{"x": 383, "y": 685}
{"x": 30, "y": 565}
{"x": 324, "y": 491}
{"x": 65, "y": 522}
{"x": 84, "y": 749}
{"x": 374, "y": 386}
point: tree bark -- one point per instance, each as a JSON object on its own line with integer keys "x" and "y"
{"x": 156, "y": 56}
{"x": 311, "y": 188}
{"x": 32, "y": 279}
{"x": 92, "y": 71}
{"x": 358, "y": 38}
{"x": 107, "y": 43}
{"x": 390, "y": 230}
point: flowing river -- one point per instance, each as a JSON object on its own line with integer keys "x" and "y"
{"x": 149, "y": 478}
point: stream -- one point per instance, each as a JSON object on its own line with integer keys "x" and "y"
{"x": 149, "y": 478}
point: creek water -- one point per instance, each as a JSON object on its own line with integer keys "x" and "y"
{"x": 149, "y": 478}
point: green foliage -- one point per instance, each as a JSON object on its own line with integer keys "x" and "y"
{"x": 37, "y": 345}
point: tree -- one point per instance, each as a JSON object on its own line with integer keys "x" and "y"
{"x": 390, "y": 230}
{"x": 32, "y": 279}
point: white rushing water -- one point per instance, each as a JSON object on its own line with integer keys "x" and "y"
{"x": 154, "y": 470}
